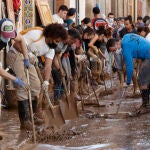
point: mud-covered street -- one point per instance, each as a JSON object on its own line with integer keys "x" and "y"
{"x": 97, "y": 128}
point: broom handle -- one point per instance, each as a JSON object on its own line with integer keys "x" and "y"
{"x": 31, "y": 110}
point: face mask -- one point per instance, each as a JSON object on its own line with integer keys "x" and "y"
{"x": 84, "y": 27}
{"x": 73, "y": 47}
{"x": 52, "y": 45}
{"x": 111, "y": 20}
{"x": 122, "y": 25}
{"x": 61, "y": 47}
{"x": 5, "y": 40}
{"x": 74, "y": 19}
{"x": 118, "y": 51}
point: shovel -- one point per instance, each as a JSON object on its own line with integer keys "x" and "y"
{"x": 53, "y": 116}
{"x": 68, "y": 105}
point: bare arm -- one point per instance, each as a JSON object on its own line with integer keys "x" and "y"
{"x": 6, "y": 75}
{"x": 47, "y": 69}
{"x": 92, "y": 42}
{"x": 20, "y": 45}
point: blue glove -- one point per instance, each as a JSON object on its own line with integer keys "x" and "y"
{"x": 26, "y": 63}
{"x": 19, "y": 82}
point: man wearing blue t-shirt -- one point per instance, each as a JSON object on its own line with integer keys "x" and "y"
{"x": 135, "y": 46}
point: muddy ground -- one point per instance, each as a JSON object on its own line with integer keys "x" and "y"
{"x": 98, "y": 128}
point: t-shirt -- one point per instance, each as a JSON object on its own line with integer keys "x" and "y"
{"x": 36, "y": 44}
{"x": 124, "y": 31}
{"x": 57, "y": 19}
{"x": 134, "y": 46}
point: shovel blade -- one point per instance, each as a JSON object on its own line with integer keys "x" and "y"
{"x": 55, "y": 120}
{"x": 69, "y": 108}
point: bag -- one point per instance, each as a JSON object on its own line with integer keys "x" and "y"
{"x": 16, "y": 5}
{"x": 99, "y": 22}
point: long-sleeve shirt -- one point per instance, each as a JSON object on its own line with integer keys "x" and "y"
{"x": 134, "y": 46}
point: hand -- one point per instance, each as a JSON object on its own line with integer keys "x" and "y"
{"x": 21, "y": 83}
{"x": 45, "y": 86}
{"x": 26, "y": 63}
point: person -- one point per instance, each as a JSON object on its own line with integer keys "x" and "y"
{"x": 118, "y": 63}
{"x": 135, "y": 46}
{"x": 143, "y": 31}
{"x": 8, "y": 34}
{"x": 61, "y": 15}
{"x": 139, "y": 22}
{"x": 86, "y": 22}
{"x": 147, "y": 24}
{"x": 110, "y": 19}
{"x": 71, "y": 15}
{"x": 98, "y": 21}
{"x": 40, "y": 42}
{"x": 128, "y": 27}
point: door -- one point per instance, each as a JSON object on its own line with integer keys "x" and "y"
{"x": 44, "y": 12}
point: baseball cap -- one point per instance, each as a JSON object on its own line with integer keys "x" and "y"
{"x": 7, "y": 28}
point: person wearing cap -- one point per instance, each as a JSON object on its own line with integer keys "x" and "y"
{"x": 135, "y": 46}
{"x": 71, "y": 15}
{"x": 40, "y": 42}
{"x": 7, "y": 33}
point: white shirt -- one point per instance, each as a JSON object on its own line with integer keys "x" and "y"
{"x": 148, "y": 37}
{"x": 37, "y": 45}
{"x": 57, "y": 19}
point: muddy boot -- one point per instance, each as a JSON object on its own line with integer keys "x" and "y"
{"x": 145, "y": 98}
{"x": 37, "y": 120}
{"x": 24, "y": 115}
{"x": 145, "y": 107}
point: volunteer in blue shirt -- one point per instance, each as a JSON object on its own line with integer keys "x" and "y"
{"x": 135, "y": 46}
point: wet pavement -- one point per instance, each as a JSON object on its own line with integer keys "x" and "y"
{"x": 92, "y": 131}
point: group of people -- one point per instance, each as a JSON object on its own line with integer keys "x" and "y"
{"x": 78, "y": 53}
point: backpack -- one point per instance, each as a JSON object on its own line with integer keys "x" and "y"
{"x": 99, "y": 22}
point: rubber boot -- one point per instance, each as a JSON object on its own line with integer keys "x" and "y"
{"x": 145, "y": 98}
{"x": 37, "y": 119}
{"x": 24, "y": 115}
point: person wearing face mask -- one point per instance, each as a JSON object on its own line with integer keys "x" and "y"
{"x": 86, "y": 22}
{"x": 110, "y": 19}
{"x": 39, "y": 42}
{"x": 7, "y": 33}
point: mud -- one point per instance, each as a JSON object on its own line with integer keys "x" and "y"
{"x": 98, "y": 128}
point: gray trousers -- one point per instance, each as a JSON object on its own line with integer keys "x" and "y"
{"x": 144, "y": 74}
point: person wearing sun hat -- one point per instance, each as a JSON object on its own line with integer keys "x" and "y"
{"x": 7, "y": 32}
